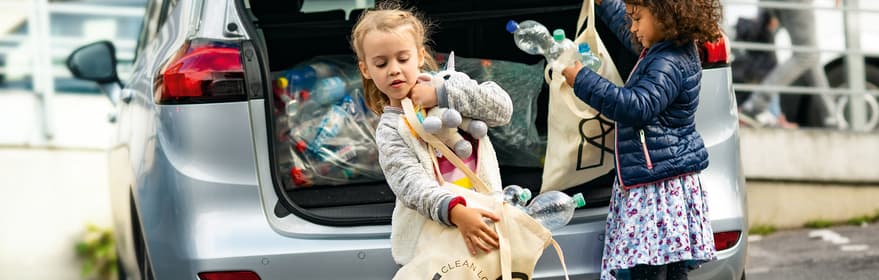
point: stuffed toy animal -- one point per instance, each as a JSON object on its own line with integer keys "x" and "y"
{"x": 444, "y": 122}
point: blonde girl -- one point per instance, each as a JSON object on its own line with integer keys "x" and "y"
{"x": 390, "y": 44}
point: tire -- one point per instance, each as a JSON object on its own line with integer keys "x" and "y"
{"x": 837, "y": 78}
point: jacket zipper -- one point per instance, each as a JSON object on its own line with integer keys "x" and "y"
{"x": 644, "y": 146}
{"x": 616, "y": 144}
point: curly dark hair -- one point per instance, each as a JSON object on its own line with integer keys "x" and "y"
{"x": 685, "y": 21}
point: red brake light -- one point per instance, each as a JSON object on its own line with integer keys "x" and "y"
{"x": 204, "y": 72}
{"x": 726, "y": 240}
{"x": 716, "y": 52}
{"x": 228, "y": 275}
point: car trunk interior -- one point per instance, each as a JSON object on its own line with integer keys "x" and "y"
{"x": 472, "y": 29}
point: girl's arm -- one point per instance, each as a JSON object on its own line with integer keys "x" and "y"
{"x": 635, "y": 103}
{"x": 406, "y": 175}
{"x": 486, "y": 101}
{"x": 613, "y": 14}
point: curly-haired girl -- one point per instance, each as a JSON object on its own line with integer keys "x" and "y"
{"x": 657, "y": 225}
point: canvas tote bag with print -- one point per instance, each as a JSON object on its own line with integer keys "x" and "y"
{"x": 580, "y": 141}
{"x": 441, "y": 253}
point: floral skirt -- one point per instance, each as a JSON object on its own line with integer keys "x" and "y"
{"x": 658, "y": 224}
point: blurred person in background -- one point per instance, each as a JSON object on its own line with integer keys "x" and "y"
{"x": 765, "y": 106}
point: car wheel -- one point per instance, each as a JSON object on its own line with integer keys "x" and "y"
{"x": 838, "y": 79}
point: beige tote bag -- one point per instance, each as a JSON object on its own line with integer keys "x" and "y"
{"x": 441, "y": 253}
{"x": 580, "y": 141}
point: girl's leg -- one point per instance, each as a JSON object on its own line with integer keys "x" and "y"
{"x": 678, "y": 271}
{"x": 648, "y": 272}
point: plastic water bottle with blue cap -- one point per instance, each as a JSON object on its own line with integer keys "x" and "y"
{"x": 587, "y": 58}
{"x": 532, "y": 37}
{"x": 554, "y": 209}
{"x": 304, "y": 76}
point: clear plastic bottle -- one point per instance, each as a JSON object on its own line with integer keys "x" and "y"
{"x": 554, "y": 209}
{"x": 587, "y": 58}
{"x": 304, "y": 76}
{"x": 517, "y": 196}
{"x": 564, "y": 50}
{"x": 328, "y": 91}
{"x": 531, "y": 37}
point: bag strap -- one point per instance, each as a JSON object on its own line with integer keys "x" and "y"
{"x": 434, "y": 142}
{"x": 505, "y": 247}
{"x": 587, "y": 13}
{"x": 558, "y": 251}
{"x": 506, "y": 256}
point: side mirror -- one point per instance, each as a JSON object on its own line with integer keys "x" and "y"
{"x": 97, "y": 62}
{"x": 94, "y": 62}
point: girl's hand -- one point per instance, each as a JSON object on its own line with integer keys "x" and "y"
{"x": 570, "y": 72}
{"x": 424, "y": 95}
{"x": 475, "y": 232}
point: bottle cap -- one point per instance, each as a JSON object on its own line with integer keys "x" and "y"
{"x": 558, "y": 35}
{"x": 281, "y": 82}
{"x": 299, "y": 177}
{"x": 301, "y": 146}
{"x": 579, "y": 200}
{"x": 525, "y": 195}
{"x": 584, "y": 47}
{"x": 512, "y": 26}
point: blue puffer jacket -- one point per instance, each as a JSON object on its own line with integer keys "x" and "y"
{"x": 654, "y": 112}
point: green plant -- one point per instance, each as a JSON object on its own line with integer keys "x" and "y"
{"x": 818, "y": 224}
{"x": 761, "y": 230}
{"x": 97, "y": 249}
{"x": 865, "y": 219}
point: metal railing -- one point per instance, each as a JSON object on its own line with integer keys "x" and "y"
{"x": 47, "y": 53}
{"x": 849, "y": 106}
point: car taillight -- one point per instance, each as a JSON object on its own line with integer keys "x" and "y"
{"x": 715, "y": 53}
{"x": 202, "y": 72}
{"x": 228, "y": 275}
{"x": 726, "y": 240}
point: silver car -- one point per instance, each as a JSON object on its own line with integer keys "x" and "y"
{"x": 198, "y": 173}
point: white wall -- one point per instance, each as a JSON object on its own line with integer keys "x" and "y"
{"x": 49, "y": 190}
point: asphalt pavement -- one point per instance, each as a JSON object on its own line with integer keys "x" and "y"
{"x": 840, "y": 252}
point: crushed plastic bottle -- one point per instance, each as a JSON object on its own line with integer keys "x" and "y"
{"x": 304, "y": 76}
{"x": 532, "y": 37}
{"x": 554, "y": 209}
{"x": 517, "y": 196}
{"x": 328, "y": 91}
